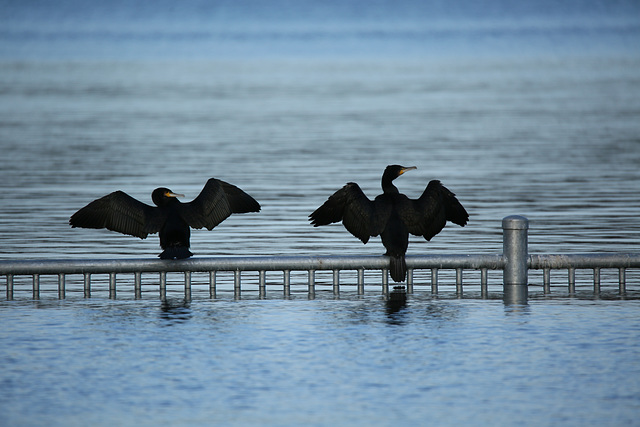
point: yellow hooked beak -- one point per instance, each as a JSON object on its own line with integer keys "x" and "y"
{"x": 170, "y": 194}
{"x": 403, "y": 170}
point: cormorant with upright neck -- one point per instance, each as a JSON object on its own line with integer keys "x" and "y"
{"x": 170, "y": 218}
{"x": 392, "y": 215}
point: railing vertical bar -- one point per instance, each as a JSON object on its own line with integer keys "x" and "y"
{"x": 410, "y": 280}
{"x": 137, "y": 284}
{"x": 546, "y": 280}
{"x": 9, "y": 287}
{"x": 163, "y": 285}
{"x": 385, "y": 281}
{"x": 459, "y": 281}
{"x": 36, "y": 286}
{"x": 361, "y": 281}
{"x": 61, "y": 286}
{"x": 336, "y": 282}
{"x": 87, "y": 285}
{"x": 484, "y": 282}
{"x": 236, "y": 284}
{"x": 212, "y": 284}
{"x": 286, "y": 289}
{"x": 622, "y": 281}
{"x": 596, "y": 280}
{"x": 434, "y": 280}
{"x": 572, "y": 280}
{"x": 312, "y": 284}
{"x": 262, "y": 284}
{"x": 187, "y": 286}
{"x": 112, "y": 285}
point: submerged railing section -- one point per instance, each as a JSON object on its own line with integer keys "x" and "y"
{"x": 515, "y": 262}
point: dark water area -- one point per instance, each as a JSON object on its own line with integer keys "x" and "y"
{"x": 518, "y": 108}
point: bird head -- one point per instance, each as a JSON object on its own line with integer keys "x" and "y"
{"x": 393, "y": 171}
{"x": 162, "y": 196}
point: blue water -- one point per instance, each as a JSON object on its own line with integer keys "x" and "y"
{"x": 283, "y": 28}
{"x": 322, "y": 362}
{"x": 518, "y": 107}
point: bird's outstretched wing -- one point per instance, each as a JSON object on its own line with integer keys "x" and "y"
{"x": 358, "y": 214}
{"x": 215, "y": 203}
{"x": 119, "y": 212}
{"x": 428, "y": 215}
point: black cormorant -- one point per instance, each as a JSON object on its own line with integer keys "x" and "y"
{"x": 171, "y": 219}
{"x": 392, "y": 215}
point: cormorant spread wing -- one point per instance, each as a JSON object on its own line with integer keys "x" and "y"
{"x": 360, "y": 216}
{"x": 216, "y": 202}
{"x": 428, "y": 215}
{"x": 122, "y": 213}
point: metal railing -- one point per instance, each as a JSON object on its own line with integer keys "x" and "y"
{"x": 515, "y": 262}
{"x": 595, "y": 262}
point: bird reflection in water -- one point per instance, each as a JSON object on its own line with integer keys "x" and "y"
{"x": 396, "y": 302}
{"x": 175, "y": 311}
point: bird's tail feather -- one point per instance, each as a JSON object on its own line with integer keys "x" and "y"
{"x": 398, "y": 268}
{"x": 176, "y": 252}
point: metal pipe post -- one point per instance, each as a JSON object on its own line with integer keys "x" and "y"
{"x": 572, "y": 281}
{"x": 9, "y": 287}
{"x": 187, "y": 286}
{"x": 286, "y": 288}
{"x": 137, "y": 286}
{"x": 61, "y": 286}
{"x": 484, "y": 283}
{"x": 596, "y": 281}
{"x": 361, "y": 281}
{"x": 163, "y": 285}
{"x": 212, "y": 284}
{"x": 385, "y": 281}
{"x": 546, "y": 280}
{"x": 262, "y": 284}
{"x": 434, "y": 280}
{"x": 112, "y": 285}
{"x": 312, "y": 284}
{"x": 36, "y": 286}
{"x": 87, "y": 285}
{"x": 516, "y": 254}
{"x": 236, "y": 284}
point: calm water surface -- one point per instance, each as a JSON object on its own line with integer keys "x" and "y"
{"x": 519, "y": 115}
{"x": 554, "y": 140}
{"x": 351, "y": 361}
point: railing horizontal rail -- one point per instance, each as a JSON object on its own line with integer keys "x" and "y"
{"x": 515, "y": 263}
{"x": 590, "y": 260}
{"x": 268, "y": 263}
